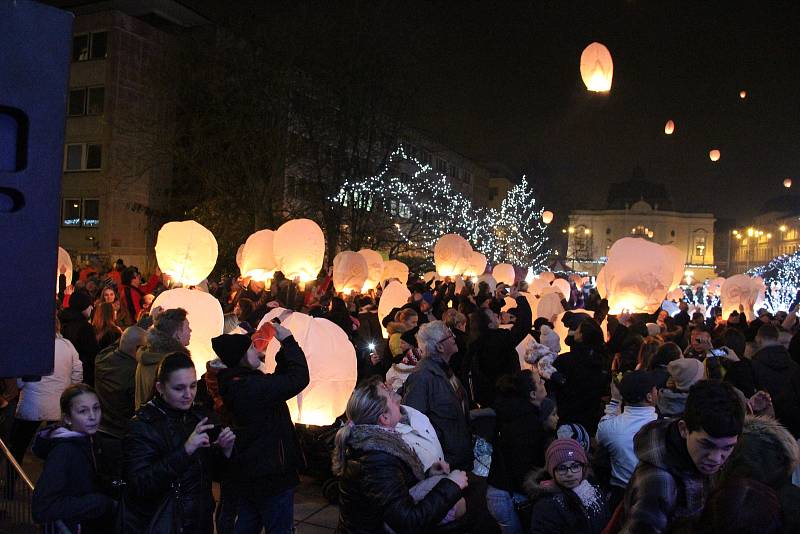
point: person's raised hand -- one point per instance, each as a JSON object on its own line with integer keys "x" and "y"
{"x": 459, "y": 477}
{"x": 198, "y": 438}
{"x": 225, "y": 441}
{"x": 281, "y": 332}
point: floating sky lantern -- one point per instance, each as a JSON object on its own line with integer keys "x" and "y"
{"x": 331, "y": 366}
{"x": 504, "y": 273}
{"x": 239, "y": 252}
{"x": 65, "y": 265}
{"x": 299, "y": 248}
{"x": 477, "y": 265}
{"x": 395, "y": 269}
{"x": 187, "y": 251}
{"x": 452, "y": 254}
{"x": 669, "y": 127}
{"x": 375, "y": 264}
{"x": 597, "y": 68}
{"x": 350, "y": 271}
{"x": 395, "y": 295}
{"x": 547, "y": 217}
{"x": 787, "y": 183}
{"x": 204, "y": 314}
{"x": 714, "y": 155}
{"x": 742, "y": 94}
{"x": 563, "y": 287}
{"x": 258, "y": 258}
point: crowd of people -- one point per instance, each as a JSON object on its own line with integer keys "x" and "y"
{"x": 471, "y": 415}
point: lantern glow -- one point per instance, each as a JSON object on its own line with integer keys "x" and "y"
{"x": 547, "y": 217}
{"x": 375, "y": 265}
{"x": 597, "y": 68}
{"x": 299, "y": 248}
{"x": 350, "y": 271}
{"x": 65, "y": 264}
{"x": 714, "y": 155}
{"x": 787, "y": 183}
{"x": 669, "y": 127}
{"x": 452, "y": 254}
{"x": 258, "y": 260}
{"x": 504, "y": 273}
{"x": 186, "y": 251}
{"x": 394, "y": 296}
{"x": 395, "y": 269}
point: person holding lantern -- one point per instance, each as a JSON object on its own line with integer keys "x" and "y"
{"x": 268, "y": 456}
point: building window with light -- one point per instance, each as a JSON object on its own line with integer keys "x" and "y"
{"x": 77, "y": 212}
{"x": 87, "y": 46}
{"x": 700, "y": 243}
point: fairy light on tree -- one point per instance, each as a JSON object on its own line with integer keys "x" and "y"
{"x": 782, "y": 278}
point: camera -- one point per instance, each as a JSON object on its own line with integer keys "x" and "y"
{"x": 718, "y": 352}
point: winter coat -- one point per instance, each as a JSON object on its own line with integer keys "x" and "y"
{"x": 775, "y": 372}
{"x": 155, "y": 459}
{"x": 671, "y": 402}
{"x": 556, "y": 510}
{"x": 417, "y": 431}
{"x": 666, "y": 485}
{"x": 519, "y": 443}
{"x": 115, "y": 385}
{"x": 67, "y": 489}
{"x": 429, "y": 390}
{"x": 131, "y": 297}
{"x": 39, "y": 401}
{"x": 581, "y": 383}
{"x": 492, "y": 355}
{"x": 374, "y": 489}
{"x": 767, "y": 452}
{"x": 156, "y": 348}
{"x": 267, "y": 455}
{"x": 78, "y": 330}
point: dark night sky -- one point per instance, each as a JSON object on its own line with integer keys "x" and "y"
{"x": 500, "y": 82}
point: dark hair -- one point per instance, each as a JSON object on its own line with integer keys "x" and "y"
{"x": 174, "y": 361}
{"x": 741, "y": 505}
{"x": 666, "y": 353}
{"x": 714, "y": 407}
{"x": 169, "y": 321}
{"x": 338, "y": 315}
{"x": 516, "y": 385}
{"x": 591, "y": 334}
{"x": 71, "y": 393}
{"x": 128, "y": 275}
{"x": 246, "y": 306}
{"x": 733, "y": 338}
{"x": 768, "y": 331}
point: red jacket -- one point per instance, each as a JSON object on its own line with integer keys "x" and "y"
{"x": 134, "y": 303}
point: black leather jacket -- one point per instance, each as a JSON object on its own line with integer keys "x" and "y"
{"x": 154, "y": 459}
{"x": 373, "y": 490}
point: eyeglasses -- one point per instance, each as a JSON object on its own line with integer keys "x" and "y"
{"x": 572, "y": 468}
{"x": 451, "y": 336}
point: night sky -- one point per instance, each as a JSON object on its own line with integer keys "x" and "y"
{"x": 500, "y": 82}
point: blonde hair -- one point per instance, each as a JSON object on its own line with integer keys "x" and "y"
{"x": 452, "y": 318}
{"x": 365, "y": 406}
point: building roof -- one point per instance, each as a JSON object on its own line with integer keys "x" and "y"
{"x": 159, "y": 13}
{"x": 622, "y": 195}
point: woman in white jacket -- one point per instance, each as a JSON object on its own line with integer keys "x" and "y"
{"x": 39, "y": 400}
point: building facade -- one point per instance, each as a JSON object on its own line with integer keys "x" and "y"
{"x": 774, "y": 232}
{"x": 592, "y": 232}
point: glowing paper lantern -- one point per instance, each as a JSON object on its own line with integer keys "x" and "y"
{"x": 676, "y": 294}
{"x": 715, "y": 286}
{"x": 547, "y": 276}
{"x": 331, "y": 367}
{"x": 547, "y": 217}
{"x": 743, "y": 94}
{"x": 65, "y": 263}
{"x": 787, "y": 183}
{"x": 504, "y": 273}
{"x": 597, "y": 68}
{"x": 239, "y": 256}
{"x": 530, "y": 277}
{"x": 549, "y": 305}
{"x": 714, "y": 155}
{"x": 375, "y": 266}
{"x": 563, "y": 287}
{"x": 638, "y": 275}
{"x": 187, "y": 251}
{"x": 204, "y": 314}
{"x": 258, "y": 259}
{"x": 299, "y": 248}
{"x": 509, "y": 303}
{"x": 350, "y": 271}
{"x": 562, "y": 331}
{"x": 742, "y": 290}
{"x": 476, "y": 265}
{"x": 395, "y": 269}
{"x": 669, "y": 127}
{"x": 489, "y": 280}
{"x": 452, "y": 254}
{"x": 395, "y": 295}
{"x": 538, "y": 285}
{"x": 431, "y": 276}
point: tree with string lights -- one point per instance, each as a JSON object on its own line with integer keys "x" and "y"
{"x": 782, "y": 278}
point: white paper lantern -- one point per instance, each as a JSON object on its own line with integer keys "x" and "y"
{"x": 375, "y": 264}
{"x": 489, "y": 280}
{"x": 299, "y": 248}
{"x": 714, "y": 155}
{"x": 204, "y": 314}
{"x": 547, "y": 276}
{"x": 597, "y": 68}
{"x": 549, "y": 305}
{"x": 395, "y": 269}
{"x": 504, "y": 273}
{"x": 350, "y": 271}
{"x": 431, "y": 276}
{"x": 715, "y": 286}
{"x": 676, "y": 294}
{"x": 258, "y": 259}
{"x": 476, "y": 265}
{"x": 787, "y": 183}
{"x": 186, "y": 251}
{"x": 547, "y": 217}
{"x": 395, "y": 295}
{"x": 509, "y": 303}
{"x": 563, "y": 286}
{"x": 64, "y": 262}
{"x": 669, "y": 127}
{"x": 638, "y": 275}
{"x": 452, "y": 255}
{"x": 538, "y": 285}
{"x": 331, "y": 367}
{"x": 239, "y": 256}
{"x": 742, "y": 290}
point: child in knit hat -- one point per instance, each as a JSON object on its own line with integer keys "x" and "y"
{"x": 683, "y": 374}
{"x": 564, "y": 500}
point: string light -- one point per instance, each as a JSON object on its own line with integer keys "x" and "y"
{"x": 782, "y": 278}
{"x": 513, "y": 234}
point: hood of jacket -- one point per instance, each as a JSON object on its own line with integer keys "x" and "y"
{"x": 671, "y": 402}
{"x": 158, "y": 344}
{"x": 658, "y": 443}
{"x": 775, "y": 357}
{"x": 766, "y": 452}
{"x": 396, "y": 327}
{"x": 47, "y": 438}
{"x": 538, "y": 483}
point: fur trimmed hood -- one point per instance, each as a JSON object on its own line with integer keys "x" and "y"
{"x": 538, "y": 483}
{"x": 157, "y": 345}
{"x": 766, "y": 452}
{"x": 397, "y": 327}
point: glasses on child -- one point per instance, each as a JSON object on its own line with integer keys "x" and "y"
{"x": 572, "y": 468}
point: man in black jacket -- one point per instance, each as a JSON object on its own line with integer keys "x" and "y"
{"x": 775, "y": 372}
{"x": 75, "y": 327}
{"x": 267, "y": 455}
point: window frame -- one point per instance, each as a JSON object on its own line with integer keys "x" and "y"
{"x": 79, "y": 204}
{"x": 84, "y": 157}
{"x": 90, "y": 46}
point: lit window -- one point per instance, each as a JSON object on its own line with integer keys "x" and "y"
{"x": 91, "y": 212}
{"x": 71, "y": 212}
